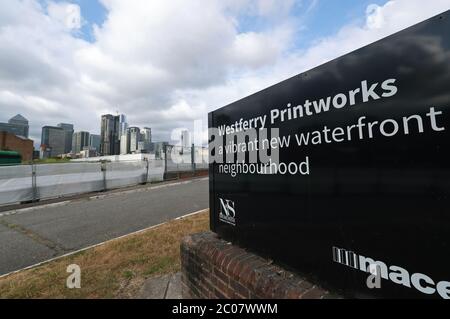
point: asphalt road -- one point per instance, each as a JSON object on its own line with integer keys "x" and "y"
{"x": 36, "y": 234}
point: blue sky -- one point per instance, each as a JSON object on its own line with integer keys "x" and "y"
{"x": 92, "y": 11}
{"x": 327, "y": 17}
{"x": 317, "y": 19}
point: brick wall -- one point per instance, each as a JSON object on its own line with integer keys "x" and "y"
{"x": 23, "y": 146}
{"x": 213, "y": 268}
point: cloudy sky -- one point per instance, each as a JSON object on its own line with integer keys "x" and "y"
{"x": 166, "y": 63}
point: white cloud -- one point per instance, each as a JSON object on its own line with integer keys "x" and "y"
{"x": 67, "y": 14}
{"x": 271, "y": 7}
{"x": 375, "y": 17}
{"x": 254, "y": 49}
{"x": 398, "y": 14}
{"x": 163, "y": 63}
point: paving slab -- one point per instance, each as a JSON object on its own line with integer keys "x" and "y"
{"x": 174, "y": 289}
{"x": 163, "y": 287}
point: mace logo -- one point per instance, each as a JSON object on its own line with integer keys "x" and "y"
{"x": 395, "y": 274}
{"x": 227, "y": 212}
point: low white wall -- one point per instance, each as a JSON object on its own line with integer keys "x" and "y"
{"x": 117, "y": 158}
{"x": 56, "y": 180}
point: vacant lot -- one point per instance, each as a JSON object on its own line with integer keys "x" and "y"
{"x": 116, "y": 269}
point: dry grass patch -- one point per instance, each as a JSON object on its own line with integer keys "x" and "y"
{"x": 116, "y": 269}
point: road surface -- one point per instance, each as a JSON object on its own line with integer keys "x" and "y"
{"x": 36, "y": 234}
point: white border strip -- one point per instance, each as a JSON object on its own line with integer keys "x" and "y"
{"x": 100, "y": 244}
{"x": 34, "y": 208}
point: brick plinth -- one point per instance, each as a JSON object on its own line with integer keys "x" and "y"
{"x": 213, "y": 268}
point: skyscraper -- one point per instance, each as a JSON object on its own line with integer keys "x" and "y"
{"x": 135, "y": 138}
{"x": 17, "y": 125}
{"x": 123, "y": 125}
{"x": 52, "y": 141}
{"x": 109, "y": 137}
{"x": 125, "y": 143}
{"x": 94, "y": 141}
{"x": 68, "y": 133}
{"x": 185, "y": 139}
{"x": 80, "y": 140}
{"x": 146, "y": 136}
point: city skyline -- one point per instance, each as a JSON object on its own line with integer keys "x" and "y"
{"x": 116, "y": 138}
{"x": 38, "y": 141}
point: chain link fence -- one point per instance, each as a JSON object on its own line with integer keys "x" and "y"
{"x": 34, "y": 182}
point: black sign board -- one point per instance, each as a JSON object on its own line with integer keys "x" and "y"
{"x": 362, "y": 178}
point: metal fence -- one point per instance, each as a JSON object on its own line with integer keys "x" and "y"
{"x": 33, "y": 182}
{"x": 185, "y": 159}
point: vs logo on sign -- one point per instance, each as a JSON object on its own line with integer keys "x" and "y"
{"x": 227, "y": 212}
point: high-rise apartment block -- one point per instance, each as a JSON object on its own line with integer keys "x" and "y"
{"x": 52, "y": 141}
{"x": 185, "y": 139}
{"x": 135, "y": 138}
{"x": 125, "y": 143}
{"x": 110, "y": 135}
{"x": 80, "y": 140}
{"x": 123, "y": 125}
{"x": 146, "y": 139}
{"x": 68, "y": 134}
{"x": 94, "y": 142}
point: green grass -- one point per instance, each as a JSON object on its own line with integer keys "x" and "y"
{"x": 51, "y": 161}
{"x": 161, "y": 265}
